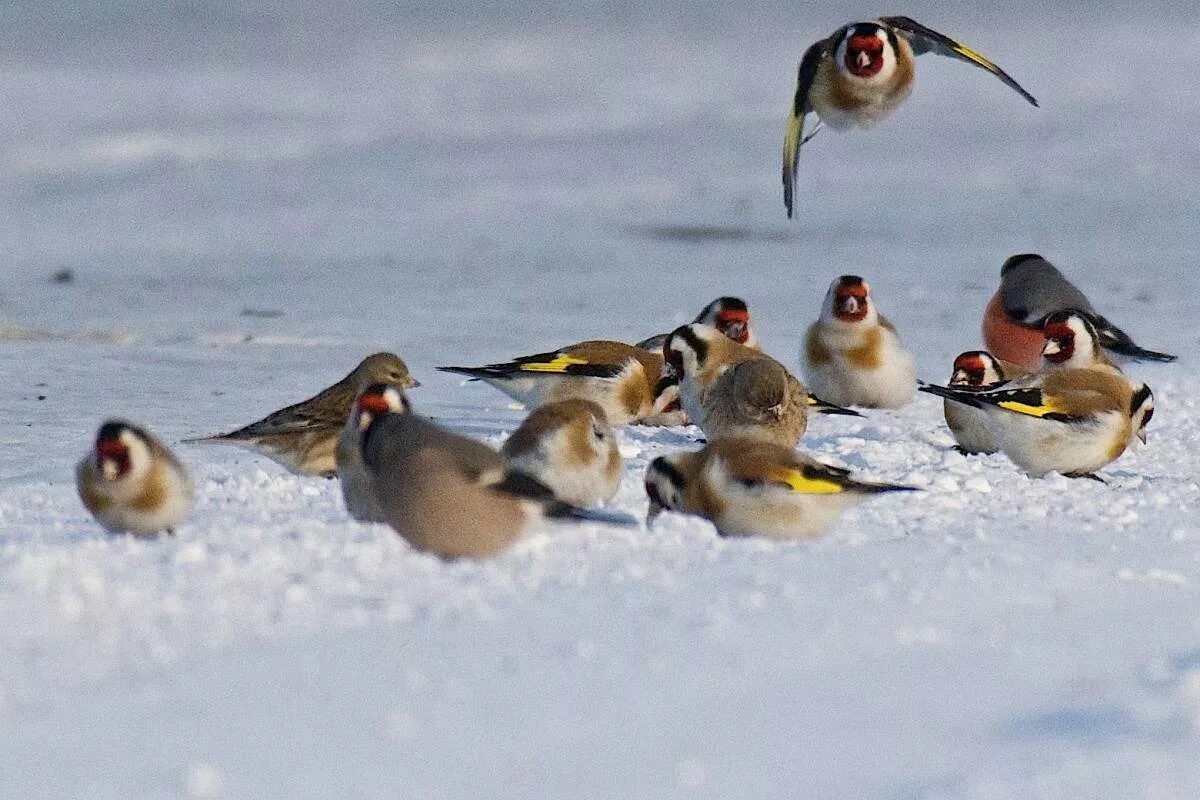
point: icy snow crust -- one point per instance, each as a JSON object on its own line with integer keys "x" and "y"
{"x": 463, "y": 185}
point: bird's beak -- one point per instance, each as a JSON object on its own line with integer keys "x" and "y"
{"x": 1051, "y": 348}
{"x": 1141, "y": 434}
{"x": 959, "y": 377}
{"x": 848, "y": 304}
{"x": 864, "y": 60}
{"x": 735, "y": 330}
{"x": 412, "y": 383}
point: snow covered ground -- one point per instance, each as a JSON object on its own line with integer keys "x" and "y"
{"x": 462, "y": 185}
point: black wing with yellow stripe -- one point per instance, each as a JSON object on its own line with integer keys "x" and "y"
{"x": 553, "y": 363}
{"x": 1028, "y": 401}
{"x": 927, "y": 40}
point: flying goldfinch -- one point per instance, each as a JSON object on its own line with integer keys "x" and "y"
{"x": 860, "y": 75}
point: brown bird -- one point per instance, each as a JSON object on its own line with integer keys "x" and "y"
{"x": 618, "y": 377}
{"x": 570, "y": 447}
{"x": 302, "y": 437}
{"x": 131, "y": 482}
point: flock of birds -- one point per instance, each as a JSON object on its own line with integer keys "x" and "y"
{"x": 1045, "y": 393}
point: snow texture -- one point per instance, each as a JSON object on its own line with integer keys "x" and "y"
{"x": 241, "y": 201}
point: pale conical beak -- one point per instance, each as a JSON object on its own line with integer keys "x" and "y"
{"x": 864, "y": 60}
{"x": 1051, "y": 348}
{"x": 411, "y": 383}
{"x": 1141, "y": 434}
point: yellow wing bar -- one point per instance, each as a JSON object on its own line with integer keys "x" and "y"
{"x": 558, "y": 364}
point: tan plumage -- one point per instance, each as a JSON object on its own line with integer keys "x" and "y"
{"x": 131, "y": 483}
{"x": 729, "y": 389}
{"x": 357, "y": 483}
{"x": 853, "y": 355}
{"x": 753, "y": 488}
{"x": 1073, "y": 421}
{"x": 618, "y": 377}
{"x": 302, "y": 437}
{"x": 570, "y": 447}
{"x": 861, "y": 74}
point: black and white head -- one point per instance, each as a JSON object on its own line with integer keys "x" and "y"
{"x": 977, "y": 369}
{"x": 731, "y": 316}
{"x": 686, "y": 349}
{"x": 1070, "y": 340}
{"x": 664, "y": 487}
{"x": 122, "y": 450}
{"x": 376, "y": 399}
{"x": 867, "y": 52}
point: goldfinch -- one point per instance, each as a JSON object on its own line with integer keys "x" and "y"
{"x": 729, "y": 315}
{"x": 570, "y": 447}
{"x": 301, "y": 438}
{"x": 752, "y": 488}
{"x": 1071, "y": 421}
{"x": 451, "y": 495}
{"x": 861, "y": 74}
{"x": 358, "y": 485}
{"x": 618, "y": 377}
{"x": 974, "y": 371}
{"x": 730, "y": 390}
{"x": 131, "y": 483}
{"x": 1070, "y": 341}
{"x": 853, "y": 355}
{"x": 1031, "y": 289}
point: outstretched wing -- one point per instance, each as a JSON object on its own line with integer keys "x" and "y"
{"x": 927, "y": 40}
{"x": 794, "y": 137}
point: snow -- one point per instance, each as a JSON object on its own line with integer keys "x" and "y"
{"x": 461, "y": 185}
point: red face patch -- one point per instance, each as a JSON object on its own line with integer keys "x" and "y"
{"x": 115, "y": 452}
{"x": 864, "y": 56}
{"x": 1062, "y": 335}
{"x": 735, "y": 325}
{"x": 972, "y": 368}
{"x": 850, "y": 303}
{"x": 375, "y": 403}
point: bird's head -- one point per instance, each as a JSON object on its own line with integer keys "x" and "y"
{"x": 849, "y": 299}
{"x": 121, "y": 450}
{"x": 976, "y": 368}
{"x": 664, "y": 487}
{"x": 1070, "y": 339}
{"x": 729, "y": 315}
{"x": 1141, "y": 410}
{"x": 377, "y": 399}
{"x": 863, "y": 49}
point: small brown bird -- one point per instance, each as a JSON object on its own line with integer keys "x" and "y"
{"x": 861, "y": 74}
{"x": 978, "y": 371}
{"x": 729, "y": 315}
{"x": 618, "y": 377}
{"x": 853, "y": 355}
{"x": 451, "y": 495}
{"x": 1071, "y": 421}
{"x": 752, "y": 488}
{"x": 302, "y": 437}
{"x": 730, "y": 390}
{"x": 131, "y": 483}
{"x": 358, "y": 485}
{"x": 570, "y": 447}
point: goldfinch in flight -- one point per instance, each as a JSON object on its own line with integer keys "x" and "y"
{"x": 861, "y": 74}
{"x": 754, "y": 488}
{"x": 131, "y": 482}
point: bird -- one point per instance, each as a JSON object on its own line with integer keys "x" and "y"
{"x": 977, "y": 371}
{"x": 618, "y": 377}
{"x": 861, "y": 74}
{"x": 1071, "y": 421}
{"x": 451, "y": 495}
{"x": 730, "y": 390}
{"x": 570, "y": 447}
{"x": 747, "y": 487}
{"x": 358, "y": 485}
{"x": 1031, "y": 289}
{"x": 729, "y": 315}
{"x": 302, "y": 437}
{"x": 1070, "y": 341}
{"x": 853, "y": 355}
{"x": 131, "y": 483}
